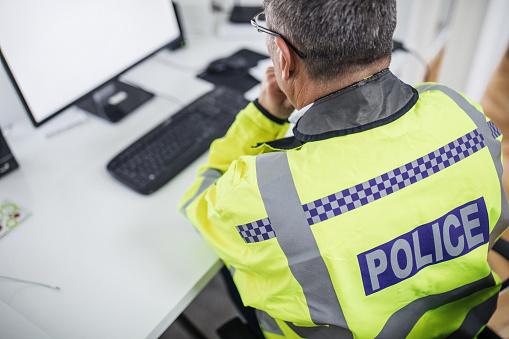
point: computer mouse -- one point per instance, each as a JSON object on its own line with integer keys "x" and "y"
{"x": 232, "y": 64}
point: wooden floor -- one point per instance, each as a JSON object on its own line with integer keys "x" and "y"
{"x": 496, "y": 106}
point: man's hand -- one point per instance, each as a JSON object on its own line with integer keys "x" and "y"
{"x": 272, "y": 98}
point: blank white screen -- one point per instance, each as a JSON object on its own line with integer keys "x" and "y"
{"x": 58, "y": 51}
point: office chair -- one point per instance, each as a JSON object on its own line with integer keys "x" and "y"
{"x": 502, "y": 248}
{"x": 236, "y": 328}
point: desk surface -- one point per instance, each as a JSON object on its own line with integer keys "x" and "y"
{"x": 127, "y": 264}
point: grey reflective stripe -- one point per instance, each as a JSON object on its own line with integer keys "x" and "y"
{"x": 232, "y": 270}
{"x": 268, "y": 323}
{"x": 209, "y": 177}
{"x": 402, "y": 321}
{"x": 476, "y": 319}
{"x": 294, "y": 235}
{"x": 320, "y": 332}
{"x": 494, "y": 147}
{"x": 424, "y": 88}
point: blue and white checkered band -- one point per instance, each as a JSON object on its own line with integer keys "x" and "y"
{"x": 256, "y": 231}
{"x": 392, "y": 181}
{"x": 376, "y": 188}
{"x": 495, "y": 132}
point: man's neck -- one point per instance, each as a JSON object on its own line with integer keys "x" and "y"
{"x": 308, "y": 91}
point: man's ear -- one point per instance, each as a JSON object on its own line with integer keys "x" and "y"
{"x": 286, "y": 58}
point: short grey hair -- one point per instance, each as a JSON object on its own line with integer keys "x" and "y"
{"x": 338, "y": 36}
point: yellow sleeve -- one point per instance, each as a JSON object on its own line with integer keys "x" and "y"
{"x": 250, "y": 128}
{"x": 225, "y": 190}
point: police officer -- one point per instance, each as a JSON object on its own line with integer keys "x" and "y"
{"x": 374, "y": 219}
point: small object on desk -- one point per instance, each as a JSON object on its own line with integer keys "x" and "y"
{"x": 236, "y": 70}
{"x": 163, "y": 152}
{"x": 11, "y": 215}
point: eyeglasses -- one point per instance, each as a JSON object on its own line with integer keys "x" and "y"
{"x": 254, "y": 22}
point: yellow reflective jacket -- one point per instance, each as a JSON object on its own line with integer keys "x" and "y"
{"x": 373, "y": 220}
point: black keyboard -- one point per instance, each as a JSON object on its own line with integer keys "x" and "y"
{"x": 163, "y": 152}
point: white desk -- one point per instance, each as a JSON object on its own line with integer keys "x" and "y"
{"x": 127, "y": 264}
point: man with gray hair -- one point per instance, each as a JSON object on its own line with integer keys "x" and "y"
{"x": 375, "y": 217}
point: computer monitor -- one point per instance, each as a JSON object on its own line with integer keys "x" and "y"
{"x": 60, "y": 53}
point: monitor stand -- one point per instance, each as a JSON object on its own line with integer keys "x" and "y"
{"x": 114, "y": 100}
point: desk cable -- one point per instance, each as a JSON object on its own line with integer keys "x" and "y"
{"x": 30, "y": 282}
{"x": 399, "y": 46}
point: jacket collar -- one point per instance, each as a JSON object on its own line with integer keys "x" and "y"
{"x": 369, "y": 103}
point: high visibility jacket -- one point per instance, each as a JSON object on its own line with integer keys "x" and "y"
{"x": 373, "y": 220}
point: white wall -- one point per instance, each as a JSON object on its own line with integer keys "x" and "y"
{"x": 422, "y": 25}
{"x": 468, "y": 19}
{"x": 474, "y": 42}
{"x": 492, "y": 44}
